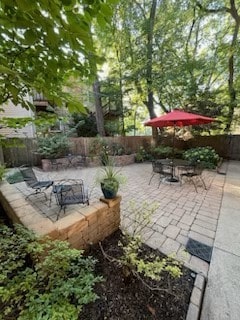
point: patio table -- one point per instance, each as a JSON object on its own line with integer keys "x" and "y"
{"x": 180, "y": 164}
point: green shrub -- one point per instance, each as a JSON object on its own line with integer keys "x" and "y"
{"x": 100, "y": 147}
{"x": 53, "y": 146}
{"x": 165, "y": 152}
{"x": 42, "y": 279}
{"x": 117, "y": 149}
{"x": 207, "y": 156}
{"x": 142, "y": 155}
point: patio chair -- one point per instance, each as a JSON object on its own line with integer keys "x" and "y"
{"x": 194, "y": 175}
{"x": 158, "y": 168}
{"x": 69, "y": 192}
{"x": 32, "y": 182}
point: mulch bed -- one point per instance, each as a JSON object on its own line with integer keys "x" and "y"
{"x": 122, "y": 298}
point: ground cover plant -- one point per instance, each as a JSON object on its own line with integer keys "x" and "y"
{"x": 42, "y": 279}
{"x": 119, "y": 278}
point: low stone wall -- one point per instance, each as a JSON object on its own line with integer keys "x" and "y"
{"x": 83, "y": 227}
{"x": 119, "y": 161}
{"x": 65, "y": 162}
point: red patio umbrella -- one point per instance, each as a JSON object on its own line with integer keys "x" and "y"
{"x": 178, "y": 118}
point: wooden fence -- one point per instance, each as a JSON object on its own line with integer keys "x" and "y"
{"x": 227, "y": 146}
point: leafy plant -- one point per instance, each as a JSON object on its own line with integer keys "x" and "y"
{"x": 100, "y": 147}
{"x": 165, "y": 152}
{"x": 110, "y": 178}
{"x": 133, "y": 260}
{"x": 117, "y": 149}
{"x": 142, "y": 155}
{"x": 53, "y": 146}
{"x": 2, "y": 171}
{"x": 97, "y": 146}
{"x": 84, "y": 124}
{"x": 150, "y": 267}
{"x": 42, "y": 279}
{"x": 207, "y": 156}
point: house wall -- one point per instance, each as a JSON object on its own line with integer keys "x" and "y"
{"x": 13, "y": 111}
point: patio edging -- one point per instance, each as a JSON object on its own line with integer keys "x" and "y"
{"x": 196, "y": 299}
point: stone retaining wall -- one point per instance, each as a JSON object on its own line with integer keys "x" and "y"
{"x": 85, "y": 226}
{"x": 119, "y": 161}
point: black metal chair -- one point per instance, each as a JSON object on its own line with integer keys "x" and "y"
{"x": 194, "y": 175}
{"x": 69, "y": 192}
{"x": 32, "y": 182}
{"x": 158, "y": 168}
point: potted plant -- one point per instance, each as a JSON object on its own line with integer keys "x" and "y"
{"x": 110, "y": 180}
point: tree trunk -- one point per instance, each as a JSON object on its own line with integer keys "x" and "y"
{"x": 231, "y": 88}
{"x": 98, "y": 108}
{"x": 149, "y": 102}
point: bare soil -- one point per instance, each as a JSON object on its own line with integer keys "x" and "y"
{"x": 122, "y": 298}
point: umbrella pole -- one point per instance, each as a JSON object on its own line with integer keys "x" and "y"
{"x": 172, "y": 178}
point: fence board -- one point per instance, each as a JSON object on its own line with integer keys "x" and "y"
{"x": 227, "y": 146}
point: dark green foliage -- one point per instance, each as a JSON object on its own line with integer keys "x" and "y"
{"x": 207, "y": 156}
{"x": 43, "y": 43}
{"x": 53, "y": 146}
{"x": 117, "y": 149}
{"x": 142, "y": 155}
{"x": 85, "y": 125}
{"x": 99, "y": 147}
{"x": 165, "y": 152}
{"x": 42, "y": 279}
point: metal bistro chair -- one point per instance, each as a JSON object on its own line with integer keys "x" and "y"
{"x": 32, "y": 182}
{"x": 194, "y": 175}
{"x": 70, "y": 192}
{"x": 158, "y": 168}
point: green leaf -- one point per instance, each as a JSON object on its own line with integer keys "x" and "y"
{"x": 4, "y": 69}
{"x": 76, "y": 107}
{"x": 14, "y": 91}
{"x": 67, "y": 2}
{"x": 101, "y": 21}
{"x": 30, "y": 37}
{"x": 26, "y": 5}
{"x": 106, "y": 10}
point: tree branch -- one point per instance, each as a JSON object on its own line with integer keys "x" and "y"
{"x": 222, "y": 9}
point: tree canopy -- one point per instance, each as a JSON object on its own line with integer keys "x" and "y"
{"x": 160, "y": 55}
{"x": 43, "y": 42}
{"x": 169, "y": 54}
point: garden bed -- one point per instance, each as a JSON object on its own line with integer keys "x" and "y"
{"x": 128, "y": 298}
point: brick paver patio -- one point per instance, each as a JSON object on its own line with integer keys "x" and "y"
{"x": 181, "y": 211}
